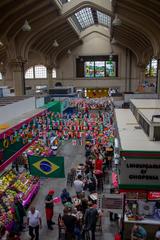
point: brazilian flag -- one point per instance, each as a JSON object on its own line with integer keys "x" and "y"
{"x": 49, "y": 167}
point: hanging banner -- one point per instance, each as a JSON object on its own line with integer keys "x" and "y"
{"x": 49, "y": 167}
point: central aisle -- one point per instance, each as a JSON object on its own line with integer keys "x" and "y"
{"x": 73, "y": 155}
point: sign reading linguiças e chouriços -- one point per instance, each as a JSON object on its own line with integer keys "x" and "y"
{"x": 140, "y": 171}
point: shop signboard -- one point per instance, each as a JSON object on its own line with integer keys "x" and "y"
{"x": 139, "y": 173}
{"x": 113, "y": 203}
{"x": 153, "y": 196}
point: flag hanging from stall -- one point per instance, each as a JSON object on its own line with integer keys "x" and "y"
{"x": 49, "y": 167}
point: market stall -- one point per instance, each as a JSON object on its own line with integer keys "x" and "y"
{"x": 138, "y": 174}
{"x": 142, "y": 208}
{"x": 12, "y": 185}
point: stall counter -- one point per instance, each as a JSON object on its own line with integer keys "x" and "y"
{"x": 150, "y": 225}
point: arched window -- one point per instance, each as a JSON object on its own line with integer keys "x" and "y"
{"x": 1, "y": 77}
{"x": 40, "y": 71}
{"x": 29, "y": 73}
{"x": 54, "y": 73}
{"x": 151, "y": 69}
{"x": 37, "y": 71}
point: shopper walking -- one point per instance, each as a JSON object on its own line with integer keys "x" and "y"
{"x": 90, "y": 219}
{"x": 19, "y": 214}
{"x": 78, "y": 185}
{"x": 34, "y": 222}
{"x": 49, "y": 208}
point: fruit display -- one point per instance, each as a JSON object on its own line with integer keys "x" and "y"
{"x": 12, "y": 186}
{"x": 6, "y": 179}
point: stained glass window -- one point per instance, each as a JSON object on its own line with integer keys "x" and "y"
{"x": 99, "y": 69}
{"x": 89, "y": 69}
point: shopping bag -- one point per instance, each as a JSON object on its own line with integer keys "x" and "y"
{"x": 117, "y": 236}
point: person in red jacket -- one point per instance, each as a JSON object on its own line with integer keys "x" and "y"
{"x": 49, "y": 207}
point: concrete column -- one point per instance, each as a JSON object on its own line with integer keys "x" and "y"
{"x": 142, "y": 75}
{"x": 158, "y": 79}
{"x": 49, "y": 75}
{"x": 17, "y": 67}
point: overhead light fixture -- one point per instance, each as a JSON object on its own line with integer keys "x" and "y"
{"x": 26, "y": 27}
{"x": 116, "y": 21}
{"x": 1, "y": 44}
{"x": 113, "y": 41}
{"x": 55, "y": 43}
{"x": 69, "y": 52}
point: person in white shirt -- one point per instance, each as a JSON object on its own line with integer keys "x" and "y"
{"x": 157, "y": 235}
{"x": 34, "y": 222}
{"x": 78, "y": 185}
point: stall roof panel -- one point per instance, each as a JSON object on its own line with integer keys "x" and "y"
{"x": 146, "y": 103}
{"x": 132, "y": 136}
{"x": 15, "y": 121}
{"x": 149, "y": 113}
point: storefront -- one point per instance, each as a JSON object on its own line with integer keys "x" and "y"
{"x": 138, "y": 175}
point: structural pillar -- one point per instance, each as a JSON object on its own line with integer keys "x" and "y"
{"x": 49, "y": 74}
{"x": 17, "y": 67}
{"x": 158, "y": 78}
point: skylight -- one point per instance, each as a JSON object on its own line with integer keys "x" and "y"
{"x": 85, "y": 17}
{"x": 103, "y": 19}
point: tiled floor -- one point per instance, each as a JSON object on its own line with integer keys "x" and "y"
{"x": 73, "y": 155}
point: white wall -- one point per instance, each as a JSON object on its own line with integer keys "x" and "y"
{"x": 13, "y": 110}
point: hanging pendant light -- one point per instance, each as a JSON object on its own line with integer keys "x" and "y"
{"x": 69, "y": 52}
{"x": 116, "y": 21}
{"x": 26, "y": 27}
{"x": 1, "y": 44}
{"x": 55, "y": 43}
{"x": 113, "y": 41}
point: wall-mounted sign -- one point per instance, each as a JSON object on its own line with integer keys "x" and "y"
{"x": 144, "y": 172}
{"x": 153, "y": 196}
{"x": 113, "y": 203}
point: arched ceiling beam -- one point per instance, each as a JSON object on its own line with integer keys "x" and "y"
{"x": 63, "y": 51}
{"x": 47, "y": 35}
{"x": 63, "y": 42}
{"x": 56, "y": 21}
{"x": 69, "y": 34}
{"x": 34, "y": 14}
{"x": 128, "y": 15}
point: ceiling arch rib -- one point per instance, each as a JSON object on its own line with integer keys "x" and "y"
{"x": 124, "y": 42}
{"x": 68, "y": 34}
{"x": 29, "y": 38}
{"x": 14, "y": 10}
{"x": 64, "y": 50}
{"x": 33, "y": 15}
{"x": 149, "y": 8}
{"x": 64, "y": 42}
{"x": 138, "y": 37}
{"x": 56, "y": 21}
{"x": 47, "y": 36}
{"x": 142, "y": 22}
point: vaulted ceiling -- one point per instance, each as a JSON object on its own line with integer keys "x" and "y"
{"x": 59, "y": 19}
{"x": 139, "y": 29}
